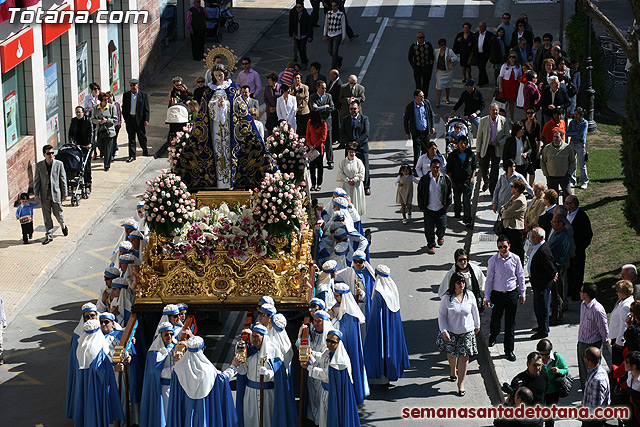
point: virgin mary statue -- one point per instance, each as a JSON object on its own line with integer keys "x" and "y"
{"x": 225, "y": 150}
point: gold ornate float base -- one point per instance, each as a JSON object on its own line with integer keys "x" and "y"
{"x": 225, "y": 283}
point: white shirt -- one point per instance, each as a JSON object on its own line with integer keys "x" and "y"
{"x": 435, "y": 196}
{"x": 519, "y": 150}
{"x": 534, "y": 249}
{"x": 481, "y": 41}
{"x": 134, "y": 98}
{"x": 571, "y": 216}
{"x": 458, "y": 317}
{"x": 633, "y": 384}
{"x": 617, "y": 324}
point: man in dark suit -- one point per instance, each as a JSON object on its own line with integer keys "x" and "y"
{"x": 553, "y": 97}
{"x": 418, "y": 124}
{"x": 542, "y": 274}
{"x": 482, "y": 49}
{"x": 321, "y": 101}
{"x": 50, "y": 189}
{"x": 582, "y": 235}
{"x": 355, "y": 128}
{"x": 334, "y": 86}
{"x": 352, "y": 91}
{"x": 135, "y": 110}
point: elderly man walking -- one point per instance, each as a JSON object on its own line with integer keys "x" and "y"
{"x": 492, "y": 134}
{"x": 50, "y": 189}
{"x": 593, "y": 330}
{"x": 542, "y": 274}
{"x": 558, "y": 162}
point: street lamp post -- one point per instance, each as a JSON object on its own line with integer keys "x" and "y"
{"x": 588, "y": 68}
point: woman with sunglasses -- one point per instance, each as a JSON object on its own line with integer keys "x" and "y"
{"x": 472, "y": 274}
{"x": 555, "y": 366}
{"x": 509, "y": 81}
{"x": 459, "y": 322}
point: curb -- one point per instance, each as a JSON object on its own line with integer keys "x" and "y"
{"x": 494, "y": 381}
{"x": 82, "y": 234}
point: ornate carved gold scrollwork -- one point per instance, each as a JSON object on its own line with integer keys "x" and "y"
{"x": 222, "y": 279}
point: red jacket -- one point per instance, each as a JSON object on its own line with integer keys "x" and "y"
{"x": 316, "y": 136}
{"x": 531, "y": 95}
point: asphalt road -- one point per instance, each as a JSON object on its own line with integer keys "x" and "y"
{"x": 378, "y": 56}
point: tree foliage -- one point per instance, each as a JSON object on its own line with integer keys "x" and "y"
{"x": 630, "y": 126}
{"x": 575, "y": 50}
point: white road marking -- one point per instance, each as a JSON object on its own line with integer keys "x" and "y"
{"x": 471, "y": 9}
{"x": 371, "y": 37}
{"x": 404, "y": 8}
{"x": 378, "y": 20}
{"x": 372, "y": 50}
{"x": 372, "y": 8}
{"x": 360, "y": 61}
{"x": 438, "y": 9}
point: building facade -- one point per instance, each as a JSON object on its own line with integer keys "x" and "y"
{"x": 47, "y": 68}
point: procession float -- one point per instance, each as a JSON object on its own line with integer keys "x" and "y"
{"x": 228, "y": 220}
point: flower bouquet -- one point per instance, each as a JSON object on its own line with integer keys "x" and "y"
{"x": 288, "y": 150}
{"x": 277, "y": 204}
{"x": 232, "y": 228}
{"x": 167, "y": 203}
{"x": 178, "y": 142}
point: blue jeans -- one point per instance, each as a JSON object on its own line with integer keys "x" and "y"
{"x": 541, "y": 307}
{"x": 437, "y": 220}
{"x": 580, "y": 153}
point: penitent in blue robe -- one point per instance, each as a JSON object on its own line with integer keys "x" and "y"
{"x": 285, "y": 413}
{"x": 368, "y": 281}
{"x": 96, "y": 401}
{"x": 385, "y": 349}
{"x": 71, "y": 375}
{"x": 152, "y": 407}
{"x": 214, "y": 410}
{"x": 343, "y": 410}
{"x": 350, "y": 329}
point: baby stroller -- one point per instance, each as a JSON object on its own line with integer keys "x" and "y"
{"x": 74, "y": 163}
{"x": 220, "y": 16}
{"x": 177, "y": 118}
{"x": 452, "y": 134}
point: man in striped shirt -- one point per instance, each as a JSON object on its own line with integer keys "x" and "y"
{"x": 597, "y": 392}
{"x": 335, "y": 29}
{"x": 593, "y": 329}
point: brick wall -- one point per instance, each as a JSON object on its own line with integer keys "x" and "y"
{"x": 21, "y": 167}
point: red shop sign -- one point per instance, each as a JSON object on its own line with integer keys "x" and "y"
{"x": 50, "y": 32}
{"x": 89, "y": 5}
{"x": 16, "y": 49}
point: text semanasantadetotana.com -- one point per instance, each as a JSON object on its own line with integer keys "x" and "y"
{"x": 520, "y": 412}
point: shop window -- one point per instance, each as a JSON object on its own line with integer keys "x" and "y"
{"x": 14, "y": 105}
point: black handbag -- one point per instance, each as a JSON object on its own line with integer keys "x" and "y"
{"x": 498, "y": 227}
{"x": 564, "y": 383}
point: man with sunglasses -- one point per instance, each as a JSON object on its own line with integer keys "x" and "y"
{"x": 434, "y": 197}
{"x": 50, "y": 189}
{"x": 504, "y": 288}
{"x": 421, "y": 59}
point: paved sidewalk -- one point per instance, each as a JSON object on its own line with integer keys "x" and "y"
{"x": 24, "y": 269}
{"x": 563, "y": 337}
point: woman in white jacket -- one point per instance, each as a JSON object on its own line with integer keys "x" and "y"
{"x": 618, "y": 317}
{"x": 286, "y": 107}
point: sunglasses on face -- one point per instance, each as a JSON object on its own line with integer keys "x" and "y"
{"x": 503, "y": 247}
{"x": 530, "y": 113}
{"x": 462, "y": 260}
{"x": 200, "y": 81}
{"x": 420, "y": 37}
{"x": 332, "y": 342}
{"x": 435, "y": 166}
{"x": 49, "y": 153}
{"x": 105, "y": 322}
